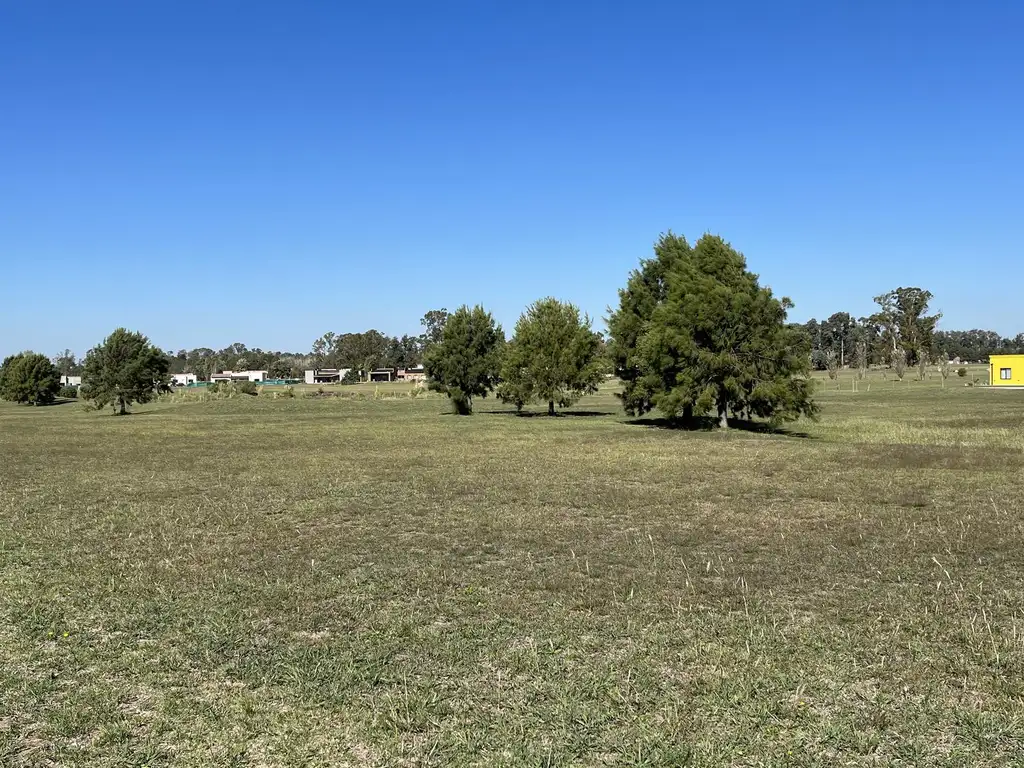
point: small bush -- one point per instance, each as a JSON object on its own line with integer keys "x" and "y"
{"x": 961, "y": 372}
{"x": 68, "y": 392}
{"x": 214, "y": 388}
{"x": 352, "y": 376}
{"x": 288, "y": 391}
{"x": 246, "y": 388}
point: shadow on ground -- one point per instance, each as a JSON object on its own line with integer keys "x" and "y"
{"x": 710, "y": 424}
{"x": 545, "y": 414}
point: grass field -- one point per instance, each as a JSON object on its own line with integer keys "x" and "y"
{"x": 329, "y": 582}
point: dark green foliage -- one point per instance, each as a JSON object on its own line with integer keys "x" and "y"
{"x": 961, "y": 372}
{"x": 352, "y": 376}
{"x": 466, "y": 362}
{"x": 124, "y": 369}
{"x": 695, "y": 333}
{"x": 29, "y": 377}
{"x": 553, "y": 357}
{"x": 645, "y": 290}
{"x": 246, "y": 387}
{"x": 280, "y": 369}
{"x": 68, "y": 392}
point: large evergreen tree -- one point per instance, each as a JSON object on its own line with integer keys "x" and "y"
{"x": 644, "y": 291}
{"x": 29, "y": 377}
{"x": 696, "y": 333}
{"x": 553, "y": 357}
{"x": 466, "y": 362}
{"x": 124, "y": 369}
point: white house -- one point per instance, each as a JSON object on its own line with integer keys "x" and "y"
{"x": 239, "y": 376}
{"x": 183, "y": 379}
{"x": 326, "y": 375}
{"x": 71, "y": 381}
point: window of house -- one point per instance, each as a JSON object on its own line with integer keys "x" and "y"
{"x": 1004, "y": 374}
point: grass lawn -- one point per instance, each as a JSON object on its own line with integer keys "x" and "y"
{"x": 331, "y": 582}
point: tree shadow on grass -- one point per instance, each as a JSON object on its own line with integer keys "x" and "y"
{"x": 546, "y": 415}
{"x": 710, "y": 424}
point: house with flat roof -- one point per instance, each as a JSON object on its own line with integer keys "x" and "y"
{"x": 381, "y": 374}
{"x": 71, "y": 381}
{"x": 415, "y": 373}
{"x": 183, "y": 379}
{"x": 224, "y": 376}
{"x": 326, "y": 375}
{"x": 1006, "y": 370}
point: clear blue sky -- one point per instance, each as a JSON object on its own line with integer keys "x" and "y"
{"x": 266, "y": 171}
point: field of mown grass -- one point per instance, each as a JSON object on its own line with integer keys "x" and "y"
{"x": 329, "y": 582}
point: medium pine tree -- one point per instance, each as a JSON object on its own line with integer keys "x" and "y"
{"x": 710, "y": 340}
{"x": 124, "y": 369}
{"x": 645, "y": 290}
{"x": 553, "y": 357}
{"x": 29, "y": 377}
{"x": 466, "y": 362}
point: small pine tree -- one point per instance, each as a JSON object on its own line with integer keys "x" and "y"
{"x": 124, "y": 369}
{"x": 466, "y": 362}
{"x": 553, "y": 357}
{"x": 30, "y": 378}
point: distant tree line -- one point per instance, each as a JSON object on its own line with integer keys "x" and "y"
{"x": 694, "y": 335}
{"x": 901, "y": 332}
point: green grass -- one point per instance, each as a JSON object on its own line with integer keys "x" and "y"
{"x": 330, "y": 582}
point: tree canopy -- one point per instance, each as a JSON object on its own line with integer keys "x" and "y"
{"x": 696, "y": 333}
{"x": 905, "y": 323}
{"x": 29, "y": 377}
{"x": 466, "y": 362}
{"x": 553, "y": 357}
{"x": 124, "y": 369}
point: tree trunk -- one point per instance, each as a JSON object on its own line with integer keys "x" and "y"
{"x": 687, "y": 414}
{"x": 551, "y": 407}
{"x": 123, "y": 410}
{"x": 723, "y": 417}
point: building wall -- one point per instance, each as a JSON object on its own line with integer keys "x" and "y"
{"x": 1015, "y": 363}
{"x": 71, "y": 381}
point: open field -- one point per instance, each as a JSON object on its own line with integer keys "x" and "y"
{"x": 331, "y": 582}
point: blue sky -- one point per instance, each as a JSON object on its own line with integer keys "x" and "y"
{"x": 266, "y": 171}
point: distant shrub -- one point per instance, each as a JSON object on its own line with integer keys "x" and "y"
{"x": 288, "y": 391}
{"x": 214, "y": 388}
{"x": 246, "y": 388}
{"x": 351, "y": 376}
{"x": 961, "y": 372}
{"x": 68, "y": 392}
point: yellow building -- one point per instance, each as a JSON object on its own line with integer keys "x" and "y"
{"x": 1006, "y": 370}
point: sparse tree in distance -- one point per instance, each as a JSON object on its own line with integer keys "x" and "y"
{"x": 899, "y": 362}
{"x": 698, "y": 334}
{"x": 860, "y": 352}
{"x": 67, "y": 364}
{"x": 832, "y": 364}
{"x": 124, "y": 369}
{"x": 466, "y": 362}
{"x": 29, "y": 377}
{"x": 553, "y": 357}
{"x": 945, "y": 368}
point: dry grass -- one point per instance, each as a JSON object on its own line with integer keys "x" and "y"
{"x": 335, "y": 582}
